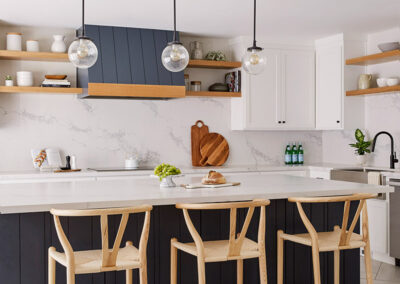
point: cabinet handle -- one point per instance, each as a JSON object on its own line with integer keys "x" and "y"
{"x": 337, "y": 121}
{"x": 279, "y": 121}
{"x": 284, "y": 121}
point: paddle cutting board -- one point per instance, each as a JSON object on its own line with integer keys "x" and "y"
{"x": 200, "y": 185}
{"x": 214, "y": 150}
{"x": 198, "y": 131}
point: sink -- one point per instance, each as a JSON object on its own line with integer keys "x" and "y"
{"x": 359, "y": 175}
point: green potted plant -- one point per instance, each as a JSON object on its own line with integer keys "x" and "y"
{"x": 9, "y": 81}
{"x": 361, "y": 147}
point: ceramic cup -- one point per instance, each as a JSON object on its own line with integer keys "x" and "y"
{"x": 364, "y": 82}
{"x": 32, "y": 45}
{"x": 131, "y": 163}
{"x": 392, "y": 81}
{"x": 381, "y": 82}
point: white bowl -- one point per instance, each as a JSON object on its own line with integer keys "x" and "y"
{"x": 392, "y": 81}
{"x": 381, "y": 82}
{"x": 389, "y": 46}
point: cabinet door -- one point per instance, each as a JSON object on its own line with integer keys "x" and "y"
{"x": 298, "y": 91}
{"x": 378, "y": 225}
{"x": 329, "y": 93}
{"x": 262, "y": 94}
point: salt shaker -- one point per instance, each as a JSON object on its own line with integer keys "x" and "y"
{"x": 73, "y": 163}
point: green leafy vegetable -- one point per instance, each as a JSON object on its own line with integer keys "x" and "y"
{"x": 8, "y": 77}
{"x": 165, "y": 170}
{"x": 361, "y": 146}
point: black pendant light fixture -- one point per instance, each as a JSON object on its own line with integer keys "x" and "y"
{"x": 83, "y": 52}
{"x": 175, "y": 57}
{"x": 254, "y": 60}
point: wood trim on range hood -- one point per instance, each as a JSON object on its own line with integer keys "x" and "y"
{"x": 134, "y": 91}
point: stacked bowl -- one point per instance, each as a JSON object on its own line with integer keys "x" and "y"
{"x": 24, "y": 79}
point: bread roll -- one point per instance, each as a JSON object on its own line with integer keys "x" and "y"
{"x": 213, "y": 177}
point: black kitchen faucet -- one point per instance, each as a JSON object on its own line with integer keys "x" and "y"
{"x": 393, "y": 158}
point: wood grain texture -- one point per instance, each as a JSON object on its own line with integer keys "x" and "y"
{"x": 139, "y": 91}
{"x": 372, "y": 91}
{"x": 16, "y": 89}
{"x": 33, "y": 56}
{"x": 197, "y": 132}
{"x": 214, "y": 94}
{"x": 377, "y": 58}
{"x": 214, "y": 150}
{"x": 213, "y": 64}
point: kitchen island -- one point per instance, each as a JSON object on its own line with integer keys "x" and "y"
{"x": 27, "y": 230}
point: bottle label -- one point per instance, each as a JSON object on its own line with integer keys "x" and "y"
{"x": 294, "y": 158}
{"x": 301, "y": 158}
{"x": 288, "y": 158}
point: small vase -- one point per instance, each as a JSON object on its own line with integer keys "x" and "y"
{"x": 9, "y": 83}
{"x": 362, "y": 160}
{"x": 58, "y": 45}
{"x": 167, "y": 182}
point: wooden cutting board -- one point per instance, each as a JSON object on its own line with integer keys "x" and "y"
{"x": 198, "y": 130}
{"x": 214, "y": 150}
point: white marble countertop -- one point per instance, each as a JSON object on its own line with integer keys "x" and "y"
{"x": 36, "y": 197}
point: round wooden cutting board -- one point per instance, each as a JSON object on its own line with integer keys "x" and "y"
{"x": 214, "y": 150}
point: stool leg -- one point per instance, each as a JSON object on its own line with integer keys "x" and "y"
{"x": 70, "y": 276}
{"x": 174, "y": 262}
{"x": 52, "y": 268}
{"x": 239, "y": 271}
{"x": 315, "y": 256}
{"x": 368, "y": 264}
{"x": 143, "y": 274}
{"x": 128, "y": 274}
{"x": 201, "y": 268}
{"x": 337, "y": 266}
{"x": 280, "y": 257}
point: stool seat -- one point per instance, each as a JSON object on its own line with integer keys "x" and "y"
{"x": 216, "y": 251}
{"x": 327, "y": 241}
{"x": 90, "y": 261}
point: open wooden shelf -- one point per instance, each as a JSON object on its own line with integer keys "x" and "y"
{"x": 214, "y": 94}
{"x": 214, "y": 64}
{"x": 4, "y": 89}
{"x": 33, "y": 56}
{"x": 375, "y": 58}
{"x": 373, "y": 91}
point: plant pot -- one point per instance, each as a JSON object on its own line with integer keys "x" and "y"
{"x": 9, "y": 83}
{"x": 167, "y": 182}
{"x": 362, "y": 160}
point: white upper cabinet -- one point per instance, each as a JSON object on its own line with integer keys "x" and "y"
{"x": 280, "y": 98}
{"x": 329, "y": 85}
{"x": 298, "y": 89}
{"x": 333, "y": 109}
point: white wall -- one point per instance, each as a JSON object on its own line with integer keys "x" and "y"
{"x": 104, "y": 132}
{"x": 382, "y": 112}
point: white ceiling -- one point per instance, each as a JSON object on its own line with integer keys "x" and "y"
{"x": 308, "y": 19}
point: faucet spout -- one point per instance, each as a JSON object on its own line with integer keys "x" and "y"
{"x": 393, "y": 158}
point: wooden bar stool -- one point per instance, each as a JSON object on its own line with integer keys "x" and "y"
{"x": 238, "y": 247}
{"x": 106, "y": 259}
{"x": 341, "y": 238}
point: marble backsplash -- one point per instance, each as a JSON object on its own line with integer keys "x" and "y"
{"x": 105, "y": 132}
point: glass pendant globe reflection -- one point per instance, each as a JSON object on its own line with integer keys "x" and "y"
{"x": 83, "y": 53}
{"x": 254, "y": 61}
{"x": 175, "y": 57}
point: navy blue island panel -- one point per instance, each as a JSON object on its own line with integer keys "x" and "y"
{"x": 25, "y": 239}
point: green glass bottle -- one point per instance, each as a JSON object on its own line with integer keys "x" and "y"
{"x": 301, "y": 154}
{"x": 288, "y": 155}
{"x": 294, "y": 155}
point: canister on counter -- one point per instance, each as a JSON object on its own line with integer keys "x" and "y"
{"x": 14, "y": 41}
{"x": 196, "y": 86}
{"x": 187, "y": 82}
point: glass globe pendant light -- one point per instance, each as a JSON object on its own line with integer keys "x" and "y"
{"x": 175, "y": 57}
{"x": 83, "y": 52}
{"x": 254, "y": 60}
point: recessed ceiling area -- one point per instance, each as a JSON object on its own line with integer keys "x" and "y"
{"x": 307, "y": 19}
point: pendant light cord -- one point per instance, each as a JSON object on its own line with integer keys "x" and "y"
{"x": 254, "y": 24}
{"x": 174, "y": 39}
{"x": 83, "y": 18}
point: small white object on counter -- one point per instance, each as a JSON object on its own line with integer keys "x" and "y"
{"x": 73, "y": 162}
{"x": 24, "y": 78}
{"x": 132, "y": 163}
{"x": 58, "y": 45}
{"x": 32, "y": 45}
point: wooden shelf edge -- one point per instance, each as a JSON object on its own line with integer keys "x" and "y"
{"x": 373, "y": 91}
{"x": 375, "y": 58}
{"x": 214, "y": 94}
{"x": 33, "y": 56}
{"x": 16, "y": 89}
{"x": 214, "y": 64}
